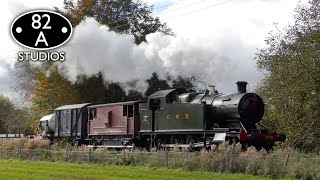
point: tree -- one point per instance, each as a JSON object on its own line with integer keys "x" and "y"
{"x": 156, "y": 84}
{"x": 115, "y": 93}
{"x": 12, "y": 119}
{"x": 52, "y": 90}
{"x": 292, "y": 87}
{"x": 134, "y": 95}
{"x": 91, "y": 88}
{"x": 184, "y": 82}
{"x": 121, "y": 16}
{"x": 6, "y": 114}
{"x": 25, "y": 121}
{"x": 94, "y": 88}
{"x": 24, "y": 76}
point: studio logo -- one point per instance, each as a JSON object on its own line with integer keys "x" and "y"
{"x": 41, "y": 30}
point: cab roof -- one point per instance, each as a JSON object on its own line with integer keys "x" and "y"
{"x": 160, "y": 94}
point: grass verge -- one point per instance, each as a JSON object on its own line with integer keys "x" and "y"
{"x": 15, "y": 169}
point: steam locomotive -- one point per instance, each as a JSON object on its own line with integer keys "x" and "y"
{"x": 173, "y": 117}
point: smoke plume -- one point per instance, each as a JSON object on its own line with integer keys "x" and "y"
{"x": 94, "y": 48}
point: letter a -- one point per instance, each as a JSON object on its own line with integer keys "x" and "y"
{"x": 39, "y": 39}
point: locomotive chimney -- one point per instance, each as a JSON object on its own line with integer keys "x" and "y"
{"x": 211, "y": 89}
{"x": 242, "y": 86}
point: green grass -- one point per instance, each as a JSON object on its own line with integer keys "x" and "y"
{"x": 15, "y": 169}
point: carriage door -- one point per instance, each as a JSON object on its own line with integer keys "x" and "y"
{"x": 128, "y": 113}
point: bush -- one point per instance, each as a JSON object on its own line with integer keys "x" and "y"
{"x": 282, "y": 162}
{"x": 24, "y": 143}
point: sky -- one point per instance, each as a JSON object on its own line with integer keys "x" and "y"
{"x": 215, "y": 39}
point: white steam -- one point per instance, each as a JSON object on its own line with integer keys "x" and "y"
{"x": 94, "y": 48}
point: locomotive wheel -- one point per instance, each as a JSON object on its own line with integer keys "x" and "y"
{"x": 269, "y": 147}
{"x": 191, "y": 139}
{"x": 233, "y": 141}
{"x": 175, "y": 140}
{"x": 244, "y": 146}
{"x": 158, "y": 143}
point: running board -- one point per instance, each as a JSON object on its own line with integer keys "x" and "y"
{"x": 194, "y": 145}
{"x": 218, "y": 138}
{"x": 106, "y": 146}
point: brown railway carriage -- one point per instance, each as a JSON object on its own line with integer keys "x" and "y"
{"x": 113, "y": 124}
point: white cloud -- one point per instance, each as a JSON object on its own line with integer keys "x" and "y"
{"x": 235, "y": 30}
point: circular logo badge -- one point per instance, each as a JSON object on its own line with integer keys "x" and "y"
{"x": 41, "y": 30}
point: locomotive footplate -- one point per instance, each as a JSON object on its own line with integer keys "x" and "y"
{"x": 188, "y": 138}
{"x": 189, "y": 131}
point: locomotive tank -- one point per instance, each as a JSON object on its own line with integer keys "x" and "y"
{"x": 227, "y": 110}
{"x": 247, "y": 107}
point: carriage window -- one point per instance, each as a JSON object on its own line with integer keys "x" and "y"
{"x": 125, "y": 109}
{"x": 130, "y": 111}
{"x": 92, "y": 113}
{"x": 154, "y": 104}
{"x": 95, "y": 112}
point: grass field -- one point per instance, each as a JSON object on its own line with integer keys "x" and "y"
{"x": 15, "y": 169}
